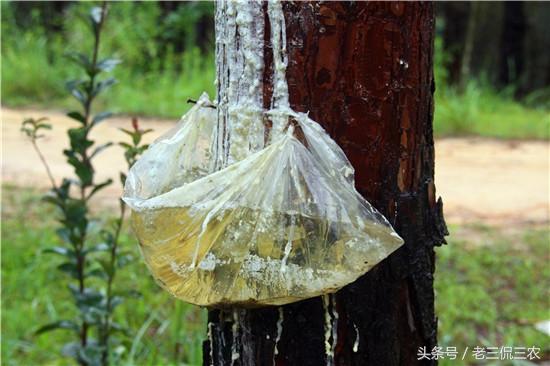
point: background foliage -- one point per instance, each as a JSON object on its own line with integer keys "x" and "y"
{"x": 162, "y": 331}
{"x": 164, "y": 64}
{"x": 167, "y": 50}
{"x": 474, "y": 309}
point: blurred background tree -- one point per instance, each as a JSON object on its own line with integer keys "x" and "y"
{"x": 504, "y": 44}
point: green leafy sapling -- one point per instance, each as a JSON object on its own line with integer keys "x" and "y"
{"x": 117, "y": 258}
{"x": 85, "y": 257}
{"x": 136, "y": 148}
{"x": 31, "y": 127}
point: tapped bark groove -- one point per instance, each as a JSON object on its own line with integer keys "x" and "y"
{"x": 364, "y": 72}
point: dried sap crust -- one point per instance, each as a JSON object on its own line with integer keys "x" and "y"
{"x": 282, "y": 225}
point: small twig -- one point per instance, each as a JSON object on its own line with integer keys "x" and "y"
{"x": 110, "y": 280}
{"x": 192, "y": 101}
{"x": 45, "y": 163}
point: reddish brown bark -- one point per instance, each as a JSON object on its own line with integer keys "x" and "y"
{"x": 364, "y": 71}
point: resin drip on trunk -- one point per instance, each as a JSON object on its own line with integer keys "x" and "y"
{"x": 239, "y": 63}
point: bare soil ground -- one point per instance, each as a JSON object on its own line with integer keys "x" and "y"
{"x": 482, "y": 181}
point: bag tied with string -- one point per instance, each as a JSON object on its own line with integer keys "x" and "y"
{"x": 282, "y": 225}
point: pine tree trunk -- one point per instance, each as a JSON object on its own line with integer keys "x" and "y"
{"x": 364, "y": 71}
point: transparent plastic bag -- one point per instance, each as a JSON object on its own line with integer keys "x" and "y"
{"x": 282, "y": 225}
{"x": 180, "y": 156}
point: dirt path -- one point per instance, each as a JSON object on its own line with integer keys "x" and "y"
{"x": 481, "y": 180}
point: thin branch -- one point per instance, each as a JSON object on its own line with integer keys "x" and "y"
{"x": 44, "y": 163}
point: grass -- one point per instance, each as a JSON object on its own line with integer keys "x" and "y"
{"x": 165, "y": 331}
{"x": 477, "y": 111}
{"x": 492, "y": 294}
{"x": 32, "y": 77}
{"x": 481, "y": 111}
{"x": 153, "y": 79}
{"x": 486, "y": 295}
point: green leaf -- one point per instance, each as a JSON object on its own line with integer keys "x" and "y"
{"x": 80, "y": 59}
{"x": 31, "y": 126}
{"x": 90, "y": 298}
{"x": 91, "y": 354}
{"x": 79, "y": 96}
{"x": 70, "y": 268}
{"x": 65, "y": 235}
{"x": 85, "y": 173}
{"x": 115, "y": 301}
{"x": 93, "y": 315}
{"x": 87, "y": 298}
{"x": 53, "y": 200}
{"x": 136, "y": 138}
{"x": 101, "y": 247}
{"x": 63, "y": 189}
{"x": 97, "y": 273}
{"x": 102, "y": 85}
{"x": 77, "y": 116}
{"x": 71, "y": 349}
{"x": 78, "y": 89}
{"x": 60, "y": 324}
{"x": 99, "y": 187}
{"x": 75, "y": 215}
{"x": 124, "y": 260}
{"x": 100, "y": 148}
{"x": 107, "y": 267}
{"x": 60, "y": 250}
{"x": 100, "y": 117}
{"x": 75, "y": 84}
{"x": 107, "y": 237}
{"x": 96, "y": 14}
{"x": 107, "y": 64}
{"x": 83, "y": 170}
{"x": 128, "y": 132}
{"x": 79, "y": 139}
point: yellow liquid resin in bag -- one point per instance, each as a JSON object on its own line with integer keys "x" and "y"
{"x": 250, "y": 258}
{"x": 283, "y": 224}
